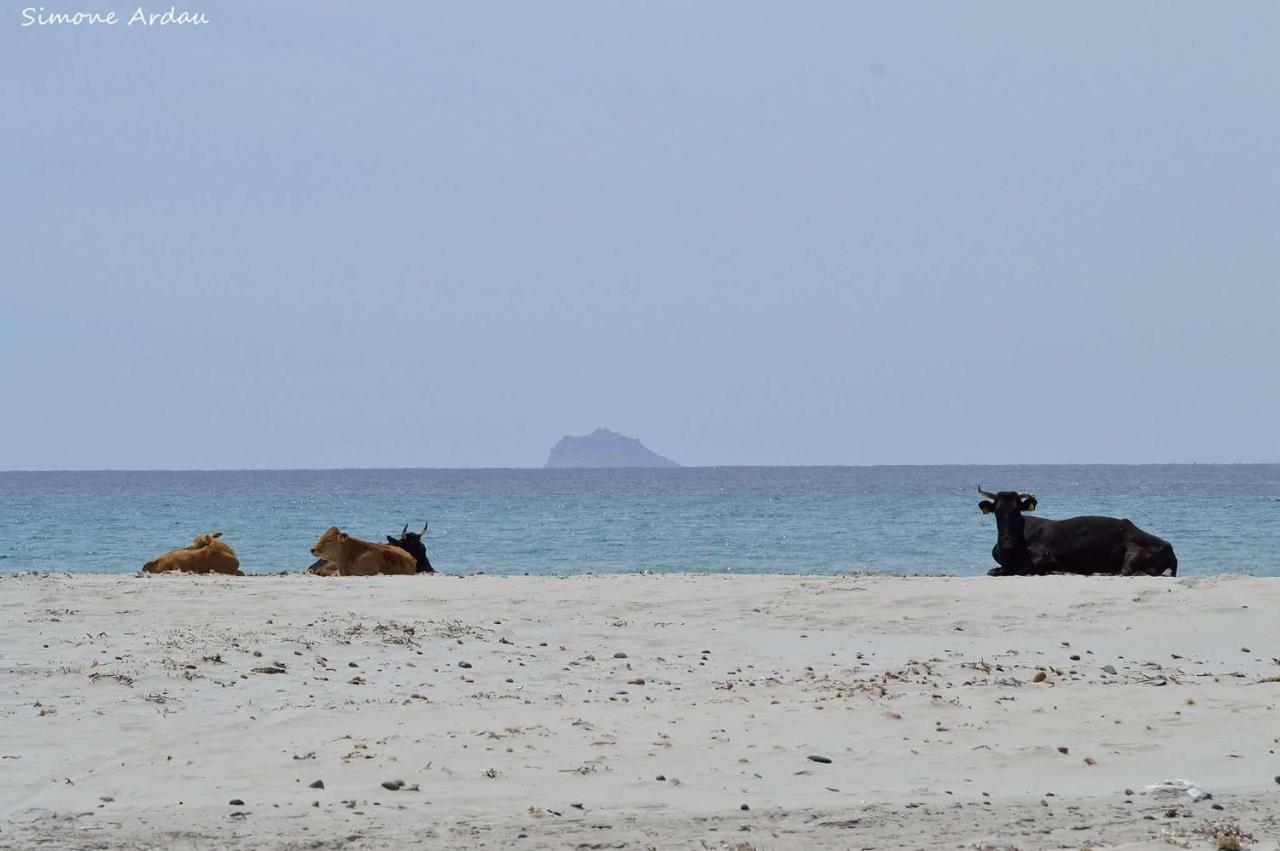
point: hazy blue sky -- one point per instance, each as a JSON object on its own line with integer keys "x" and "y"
{"x": 317, "y": 234}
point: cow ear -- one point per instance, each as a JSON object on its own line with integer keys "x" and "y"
{"x": 391, "y": 540}
{"x": 342, "y": 536}
{"x": 987, "y": 506}
{"x": 1029, "y": 504}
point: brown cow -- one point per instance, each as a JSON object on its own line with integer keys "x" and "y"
{"x": 205, "y": 555}
{"x": 354, "y": 557}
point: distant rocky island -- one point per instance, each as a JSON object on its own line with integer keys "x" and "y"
{"x": 604, "y": 448}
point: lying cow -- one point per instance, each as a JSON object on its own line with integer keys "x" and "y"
{"x": 354, "y": 557}
{"x": 411, "y": 543}
{"x": 205, "y": 555}
{"x": 1028, "y": 546}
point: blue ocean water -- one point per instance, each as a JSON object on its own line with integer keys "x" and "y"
{"x": 733, "y": 519}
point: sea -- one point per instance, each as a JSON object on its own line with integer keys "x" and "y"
{"x": 814, "y": 520}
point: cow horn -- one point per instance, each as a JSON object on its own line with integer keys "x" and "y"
{"x": 424, "y": 528}
{"x": 405, "y": 529}
{"x": 987, "y": 494}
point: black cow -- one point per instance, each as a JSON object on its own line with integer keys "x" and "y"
{"x": 411, "y": 543}
{"x": 1027, "y": 546}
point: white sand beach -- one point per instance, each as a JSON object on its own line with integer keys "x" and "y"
{"x": 637, "y": 712}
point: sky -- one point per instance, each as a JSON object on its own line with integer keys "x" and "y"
{"x": 416, "y": 234}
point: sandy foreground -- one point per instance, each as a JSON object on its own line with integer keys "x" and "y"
{"x": 637, "y": 712}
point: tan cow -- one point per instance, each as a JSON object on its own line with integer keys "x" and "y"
{"x": 354, "y": 557}
{"x": 205, "y": 555}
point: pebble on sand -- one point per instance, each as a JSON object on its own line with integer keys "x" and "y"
{"x": 822, "y": 759}
{"x": 235, "y": 802}
{"x": 318, "y": 784}
{"x": 464, "y": 664}
{"x": 393, "y": 785}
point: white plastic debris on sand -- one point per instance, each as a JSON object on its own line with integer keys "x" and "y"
{"x": 1178, "y": 787}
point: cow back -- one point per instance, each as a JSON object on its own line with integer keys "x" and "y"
{"x": 371, "y": 559}
{"x": 1079, "y": 544}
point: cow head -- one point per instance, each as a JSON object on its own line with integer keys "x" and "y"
{"x": 330, "y": 544}
{"x": 1008, "y": 506}
{"x": 411, "y": 542}
{"x": 199, "y": 542}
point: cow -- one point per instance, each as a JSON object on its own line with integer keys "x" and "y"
{"x": 206, "y": 554}
{"x": 411, "y": 543}
{"x": 1034, "y": 546}
{"x": 354, "y": 557}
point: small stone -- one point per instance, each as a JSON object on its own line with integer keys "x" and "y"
{"x": 619, "y": 655}
{"x": 464, "y": 664}
{"x": 318, "y": 784}
{"x": 1110, "y": 669}
{"x": 1064, "y": 750}
{"x": 822, "y": 759}
{"x": 393, "y": 785}
{"x": 352, "y": 665}
{"x": 1128, "y": 792}
{"x": 1245, "y": 650}
{"x": 1075, "y": 657}
{"x": 1217, "y": 806}
{"x": 235, "y": 802}
{"x": 744, "y": 807}
{"x": 1040, "y": 677}
{"x": 635, "y": 682}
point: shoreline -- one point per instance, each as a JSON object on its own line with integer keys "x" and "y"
{"x": 139, "y": 710}
{"x": 644, "y": 572}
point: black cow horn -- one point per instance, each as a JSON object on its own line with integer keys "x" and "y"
{"x": 424, "y": 528}
{"x": 405, "y": 529}
{"x": 987, "y": 494}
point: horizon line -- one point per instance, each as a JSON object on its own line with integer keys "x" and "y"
{"x": 661, "y": 469}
